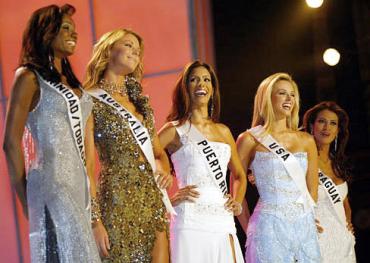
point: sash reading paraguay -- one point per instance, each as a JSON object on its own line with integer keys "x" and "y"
{"x": 290, "y": 163}
{"x": 208, "y": 154}
{"x": 139, "y": 132}
{"x": 334, "y": 196}
{"x": 75, "y": 120}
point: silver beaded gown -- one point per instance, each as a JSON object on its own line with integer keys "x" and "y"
{"x": 280, "y": 230}
{"x": 57, "y": 186}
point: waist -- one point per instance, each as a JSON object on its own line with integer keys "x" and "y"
{"x": 290, "y": 210}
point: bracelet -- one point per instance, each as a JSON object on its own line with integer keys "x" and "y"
{"x": 240, "y": 207}
{"x": 95, "y": 210}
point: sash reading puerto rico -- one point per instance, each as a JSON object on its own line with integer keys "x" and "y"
{"x": 207, "y": 152}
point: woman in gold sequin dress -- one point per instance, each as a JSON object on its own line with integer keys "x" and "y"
{"x": 130, "y": 223}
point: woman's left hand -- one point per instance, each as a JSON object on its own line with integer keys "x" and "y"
{"x": 350, "y": 228}
{"x": 232, "y": 205}
{"x": 163, "y": 179}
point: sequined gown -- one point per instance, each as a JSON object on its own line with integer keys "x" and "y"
{"x": 130, "y": 202}
{"x": 280, "y": 230}
{"x": 57, "y": 187}
{"x": 336, "y": 242}
{"x": 200, "y": 233}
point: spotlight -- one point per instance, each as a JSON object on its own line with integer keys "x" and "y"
{"x": 314, "y": 3}
{"x": 331, "y": 56}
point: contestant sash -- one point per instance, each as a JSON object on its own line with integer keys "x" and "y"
{"x": 208, "y": 154}
{"x": 75, "y": 121}
{"x": 290, "y": 163}
{"x": 139, "y": 132}
{"x": 334, "y": 196}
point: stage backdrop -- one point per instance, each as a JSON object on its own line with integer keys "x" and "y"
{"x": 174, "y": 31}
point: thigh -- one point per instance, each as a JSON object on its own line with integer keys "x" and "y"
{"x": 160, "y": 252}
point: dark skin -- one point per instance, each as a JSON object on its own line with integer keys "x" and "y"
{"x": 23, "y": 99}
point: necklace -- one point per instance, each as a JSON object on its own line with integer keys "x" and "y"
{"x": 112, "y": 87}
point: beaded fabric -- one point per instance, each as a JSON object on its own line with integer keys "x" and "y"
{"x": 130, "y": 202}
{"x": 57, "y": 186}
{"x": 280, "y": 230}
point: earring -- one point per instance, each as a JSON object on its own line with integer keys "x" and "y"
{"x": 212, "y": 108}
{"x": 51, "y": 62}
{"x": 335, "y": 143}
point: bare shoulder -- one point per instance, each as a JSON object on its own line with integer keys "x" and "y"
{"x": 25, "y": 83}
{"x": 224, "y": 130}
{"x": 306, "y": 139}
{"x": 25, "y": 74}
{"x": 168, "y": 127}
{"x": 245, "y": 139}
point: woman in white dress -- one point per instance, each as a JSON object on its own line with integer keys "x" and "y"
{"x": 284, "y": 162}
{"x": 328, "y": 123}
{"x": 201, "y": 149}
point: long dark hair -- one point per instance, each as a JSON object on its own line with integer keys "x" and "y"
{"x": 337, "y": 156}
{"x": 37, "y": 53}
{"x": 181, "y": 103}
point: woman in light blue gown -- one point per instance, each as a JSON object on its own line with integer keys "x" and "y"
{"x": 282, "y": 227}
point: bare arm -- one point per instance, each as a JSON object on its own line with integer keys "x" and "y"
{"x": 25, "y": 87}
{"x": 90, "y": 154}
{"x": 165, "y": 179}
{"x": 169, "y": 140}
{"x": 100, "y": 233}
{"x": 348, "y": 212}
{"x": 312, "y": 178}
{"x": 245, "y": 148}
{"x": 239, "y": 180}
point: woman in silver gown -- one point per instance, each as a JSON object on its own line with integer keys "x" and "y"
{"x": 47, "y": 97}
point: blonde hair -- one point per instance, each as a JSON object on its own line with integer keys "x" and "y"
{"x": 101, "y": 55}
{"x": 263, "y": 112}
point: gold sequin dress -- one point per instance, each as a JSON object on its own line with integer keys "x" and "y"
{"x": 130, "y": 202}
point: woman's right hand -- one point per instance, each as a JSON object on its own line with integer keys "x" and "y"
{"x": 101, "y": 238}
{"x": 319, "y": 228}
{"x": 188, "y": 193}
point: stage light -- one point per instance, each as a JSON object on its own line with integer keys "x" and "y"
{"x": 314, "y": 3}
{"x": 331, "y": 56}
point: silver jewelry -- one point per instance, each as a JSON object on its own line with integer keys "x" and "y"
{"x": 51, "y": 62}
{"x": 335, "y": 143}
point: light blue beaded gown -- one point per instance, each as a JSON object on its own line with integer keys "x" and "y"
{"x": 57, "y": 186}
{"x": 280, "y": 230}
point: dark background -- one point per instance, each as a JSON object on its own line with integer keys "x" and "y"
{"x": 254, "y": 39}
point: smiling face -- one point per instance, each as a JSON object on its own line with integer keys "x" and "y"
{"x": 325, "y": 128}
{"x": 200, "y": 86}
{"x": 125, "y": 55}
{"x": 65, "y": 42}
{"x": 283, "y": 99}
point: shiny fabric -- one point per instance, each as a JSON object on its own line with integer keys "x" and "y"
{"x": 129, "y": 199}
{"x": 57, "y": 186}
{"x": 280, "y": 230}
{"x": 336, "y": 242}
{"x": 200, "y": 231}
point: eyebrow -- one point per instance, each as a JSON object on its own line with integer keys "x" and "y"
{"x": 323, "y": 118}
{"x": 282, "y": 89}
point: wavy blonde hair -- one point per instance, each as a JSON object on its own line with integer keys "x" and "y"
{"x": 263, "y": 112}
{"x": 101, "y": 55}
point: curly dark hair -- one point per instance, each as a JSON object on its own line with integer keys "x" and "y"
{"x": 337, "y": 156}
{"x": 37, "y": 53}
{"x": 181, "y": 97}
